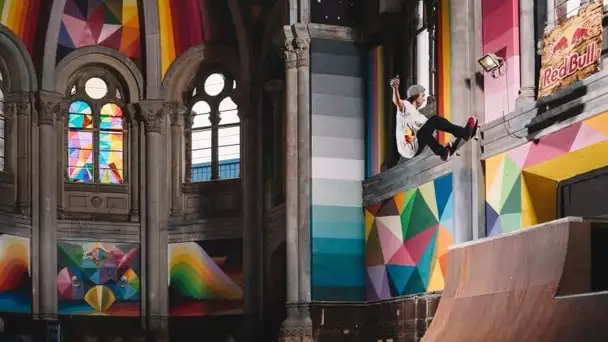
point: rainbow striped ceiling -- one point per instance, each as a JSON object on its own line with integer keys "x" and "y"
{"x": 21, "y": 17}
{"x": 110, "y": 23}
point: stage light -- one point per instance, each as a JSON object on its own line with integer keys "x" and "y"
{"x": 490, "y": 62}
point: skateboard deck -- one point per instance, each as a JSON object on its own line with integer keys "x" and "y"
{"x": 459, "y": 142}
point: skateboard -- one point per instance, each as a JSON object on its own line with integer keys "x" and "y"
{"x": 458, "y": 142}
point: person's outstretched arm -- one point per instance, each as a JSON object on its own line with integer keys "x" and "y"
{"x": 397, "y": 101}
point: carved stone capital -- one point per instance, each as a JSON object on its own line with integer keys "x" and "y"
{"x": 286, "y": 46}
{"x": 178, "y": 113}
{"x": 50, "y": 108}
{"x": 153, "y": 114}
{"x": 302, "y": 45}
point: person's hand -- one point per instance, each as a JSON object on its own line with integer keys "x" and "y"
{"x": 395, "y": 82}
{"x": 408, "y": 138}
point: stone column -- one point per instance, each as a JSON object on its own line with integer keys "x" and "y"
{"x": 177, "y": 153}
{"x": 134, "y": 140}
{"x": 289, "y": 329}
{"x": 550, "y": 15}
{"x": 302, "y": 42}
{"x": 24, "y": 114}
{"x": 153, "y": 115}
{"x": 527, "y": 52}
{"x": 50, "y": 112}
{"x": 251, "y": 204}
{"x": 275, "y": 88}
{"x": 462, "y": 104}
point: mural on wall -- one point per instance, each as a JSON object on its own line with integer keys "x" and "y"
{"x": 572, "y": 50}
{"x": 21, "y": 17}
{"x": 113, "y": 24}
{"x": 521, "y": 183}
{"x": 337, "y": 170}
{"x": 98, "y": 278}
{"x": 183, "y": 24}
{"x": 15, "y": 277}
{"x": 500, "y": 35}
{"x": 407, "y": 238}
{"x": 444, "y": 66}
{"x": 206, "y": 278}
{"x": 376, "y": 99}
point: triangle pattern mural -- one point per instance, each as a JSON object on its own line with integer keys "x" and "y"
{"x": 407, "y": 237}
{"x": 113, "y": 24}
{"x": 516, "y": 199}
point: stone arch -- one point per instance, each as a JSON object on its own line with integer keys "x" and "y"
{"x": 18, "y": 62}
{"x": 184, "y": 69}
{"x": 99, "y": 55}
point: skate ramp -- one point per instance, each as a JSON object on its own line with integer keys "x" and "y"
{"x": 540, "y": 284}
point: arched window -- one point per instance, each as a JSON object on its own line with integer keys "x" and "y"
{"x": 96, "y": 129}
{"x": 214, "y": 130}
{"x": 2, "y": 124}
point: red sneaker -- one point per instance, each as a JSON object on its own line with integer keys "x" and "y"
{"x": 471, "y": 127}
{"x": 446, "y": 152}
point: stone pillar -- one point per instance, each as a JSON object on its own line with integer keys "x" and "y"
{"x": 24, "y": 114}
{"x": 527, "y": 52}
{"x": 253, "y": 290}
{"x": 302, "y": 45}
{"x": 177, "y": 153}
{"x": 289, "y": 329}
{"x": 275, "y": 88}
{"x": 50, "y": 112}
{"x": 462, "y": 108}
{"x": 550, "y": 15}
{"x": 134, "y": 157}
{"x": 153, "y": 115}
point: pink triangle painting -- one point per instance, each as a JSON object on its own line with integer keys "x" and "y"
{"x": 388, "y": 241}
{"x": 552, "y": 146}
{"x": 418, "y": 244}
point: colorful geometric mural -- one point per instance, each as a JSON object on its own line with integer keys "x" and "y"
{"x": 183, "y": 24}
{"x": 521, "y": 184}
{"x": 407, "y": 238}
{"x": 376, "y": 137}
{"x": 111, "y": 23}
{"x": 206, "y": 278}
{"x": 444, "y": 72}
{"x": 15, "y": 277}
{"x": 21, "y": 17}
{"x": 98, "y": 278}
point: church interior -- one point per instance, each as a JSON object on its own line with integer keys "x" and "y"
{"x": 226, "y": 170}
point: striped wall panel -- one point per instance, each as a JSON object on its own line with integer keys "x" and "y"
{"x": 376, "y": 128}
{"x": 338, "y": 167}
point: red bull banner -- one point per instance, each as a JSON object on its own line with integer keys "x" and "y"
{"x": 572, "y": 50}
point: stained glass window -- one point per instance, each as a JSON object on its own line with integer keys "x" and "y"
{"x": 215, "y": 130}
{"x": 96, "y": 134}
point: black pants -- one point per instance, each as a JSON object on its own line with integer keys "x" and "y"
{"x": 438, "y": 123}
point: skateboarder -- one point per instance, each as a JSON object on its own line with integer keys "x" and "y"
{"x": 414, "y": 131}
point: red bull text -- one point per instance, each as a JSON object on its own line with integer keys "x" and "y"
{"x": 571, "y": 64}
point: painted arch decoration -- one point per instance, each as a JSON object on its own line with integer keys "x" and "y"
{"x": 407, "y": 237}
{"x": 22, "y": 17}
{"x": 15, "y": 274}
{"x": 521, "y": 183}
{"x": 111, "y": 23}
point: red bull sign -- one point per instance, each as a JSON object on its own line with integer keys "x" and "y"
{"x": 572, "y": 50}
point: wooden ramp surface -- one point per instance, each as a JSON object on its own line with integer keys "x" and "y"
{"x": 532, "y": 285}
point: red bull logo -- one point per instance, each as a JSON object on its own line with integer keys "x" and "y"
{"x": 561, "y": 45}
{"x": 571, "y": 64}
{"x": 579, "y": 35}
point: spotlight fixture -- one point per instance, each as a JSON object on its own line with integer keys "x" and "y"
{"x": 490, "y": 62}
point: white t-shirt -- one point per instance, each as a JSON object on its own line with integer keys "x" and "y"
{"x": 408, "y": 123}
